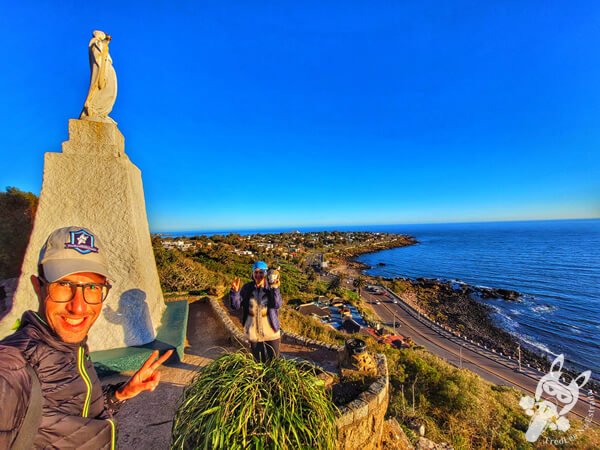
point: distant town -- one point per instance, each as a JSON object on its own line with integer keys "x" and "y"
{"x": 291, "y": 245}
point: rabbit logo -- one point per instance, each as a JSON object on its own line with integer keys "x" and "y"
{"x": 544, "y": 412}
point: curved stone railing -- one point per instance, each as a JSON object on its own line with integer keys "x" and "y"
{"x": 360, "y": 422}
{"x": 223, "y": 315}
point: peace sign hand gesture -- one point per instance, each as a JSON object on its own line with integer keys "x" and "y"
{"x": 235, "y": 284}
{"x": 145, "y": 379}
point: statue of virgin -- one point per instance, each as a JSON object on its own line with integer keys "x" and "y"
{"x": 103, "y": 81}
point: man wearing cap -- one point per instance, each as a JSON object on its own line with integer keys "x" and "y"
{"x": 260, "y": 300}
{"x": 45, "y": 364}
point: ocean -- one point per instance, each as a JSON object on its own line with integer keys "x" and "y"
{"x": 555, "y": 264}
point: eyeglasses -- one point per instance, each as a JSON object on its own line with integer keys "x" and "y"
{"x": 63, "y": 291}
{"x": 259, "y": 272}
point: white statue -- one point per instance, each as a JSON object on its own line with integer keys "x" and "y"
{"x": 103, "y": 81}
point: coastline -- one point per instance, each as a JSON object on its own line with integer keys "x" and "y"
{"x": 348, "y": 264}
{"x": 455, "y": 305}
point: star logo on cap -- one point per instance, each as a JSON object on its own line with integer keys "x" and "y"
{"x": 82, "y": 242}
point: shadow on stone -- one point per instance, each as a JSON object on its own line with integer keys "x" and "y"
{"x": 170, "y": 335}
{"x": 133, "y": 315}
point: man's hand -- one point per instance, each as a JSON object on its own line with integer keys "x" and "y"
{"x": 235, "y": 284}
{"x": 145, "y": 379}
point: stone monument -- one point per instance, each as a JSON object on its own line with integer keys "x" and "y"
{"x": 92, "y": 183}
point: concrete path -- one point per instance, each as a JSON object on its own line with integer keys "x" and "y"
{"x": 144, "y": 422}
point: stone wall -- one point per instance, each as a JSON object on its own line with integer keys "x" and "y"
{"x": 302, "y": 340}
{"x": 360, "y": 423}
{"x": 236, "y": 333}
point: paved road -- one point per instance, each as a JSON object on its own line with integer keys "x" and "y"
{"x": 461, "y": 353}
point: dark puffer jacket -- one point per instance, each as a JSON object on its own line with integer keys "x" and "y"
{"x": 74, "y": 414}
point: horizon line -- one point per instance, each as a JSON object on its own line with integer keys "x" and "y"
{"x": 307, "y": 228}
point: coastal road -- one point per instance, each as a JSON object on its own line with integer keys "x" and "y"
{"x": 461, "y": 353}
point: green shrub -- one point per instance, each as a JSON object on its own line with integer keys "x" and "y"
{"x": 238, "y": 403}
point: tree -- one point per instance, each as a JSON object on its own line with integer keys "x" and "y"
{"x": 334, "y": 284}
{"x": 359, "y": 283}
{"x": 17, "y": 212}
{"x": 341, "y": 278}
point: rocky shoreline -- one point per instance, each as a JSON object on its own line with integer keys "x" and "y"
{"x": 459, "y": 306}
{"x": 452, "y": 304}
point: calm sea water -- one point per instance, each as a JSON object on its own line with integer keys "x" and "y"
{"x": 556, "y": 264}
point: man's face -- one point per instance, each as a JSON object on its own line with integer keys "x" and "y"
{"x": 72, "y": 320}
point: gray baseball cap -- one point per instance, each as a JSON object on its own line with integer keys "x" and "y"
{"x": 72, "y": 250}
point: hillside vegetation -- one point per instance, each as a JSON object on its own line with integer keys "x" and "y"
{"x": 455, "y": 405}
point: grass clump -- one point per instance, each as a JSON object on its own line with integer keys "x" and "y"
{"x": 238, "y": 403}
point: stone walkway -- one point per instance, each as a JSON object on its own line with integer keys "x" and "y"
{"x": 144, "y": 422}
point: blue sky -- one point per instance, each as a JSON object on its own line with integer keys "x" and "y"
{"x": 271, "y": 114}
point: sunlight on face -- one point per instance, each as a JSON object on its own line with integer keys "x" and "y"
{"x": 72, "y": 320}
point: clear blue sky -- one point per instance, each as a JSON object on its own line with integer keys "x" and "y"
{"x": 269, "y": 114}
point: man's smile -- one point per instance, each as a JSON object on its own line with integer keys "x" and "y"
{"x": 74, "y": 321}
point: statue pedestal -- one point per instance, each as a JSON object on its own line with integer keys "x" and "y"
{"x": 92, "y": 183}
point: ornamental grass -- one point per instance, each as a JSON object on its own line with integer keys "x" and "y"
{"x": 238, "y": 403}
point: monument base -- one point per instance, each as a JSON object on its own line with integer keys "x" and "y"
{"x": 93, "y": 184}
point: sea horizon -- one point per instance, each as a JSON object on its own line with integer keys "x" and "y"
{"x": 349, "y": 228}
